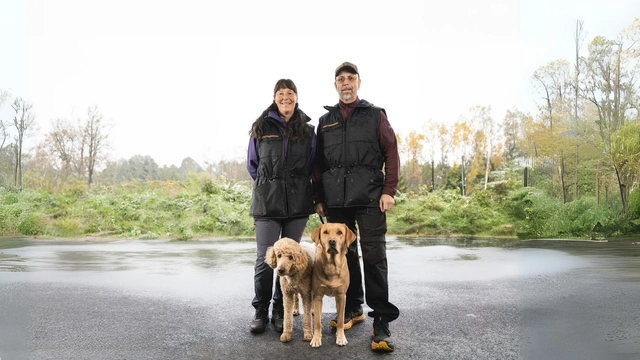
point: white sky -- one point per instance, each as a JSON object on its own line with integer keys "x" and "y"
{"x": 188, "y": 78}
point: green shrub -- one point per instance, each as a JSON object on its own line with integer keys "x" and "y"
{"x": 10, "y": 218}
{"x": 4, "y": 225}
{"x": 533, "y": 212}
{"x": 207, "y": 223}
{"x": 209, "y": 187}
{"x": 182, "y": 232}
{"x": 10, "y": 198}
{"x": 67, "y": 227}
{"x": 31, "y": 224}
{"x": 503, "y": 230}
{"x": 149, "y": 236}
{"x": 633, "y": 204}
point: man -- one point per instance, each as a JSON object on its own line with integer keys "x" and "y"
{"x": 354, "y": 142}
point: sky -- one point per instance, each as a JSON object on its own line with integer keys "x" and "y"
{"x": 187, "y": 78}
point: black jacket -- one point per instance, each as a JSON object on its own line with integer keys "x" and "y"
{"x": 353, "y": 159}
{"x": 282, "y": 188}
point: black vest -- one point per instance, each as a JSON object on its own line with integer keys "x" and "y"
{"x": 353, "y": 159}
{"x": 282, "y": 188}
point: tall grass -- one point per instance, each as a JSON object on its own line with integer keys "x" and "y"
{"x": 204, "y": 206}
{"x": 200, "y": 207}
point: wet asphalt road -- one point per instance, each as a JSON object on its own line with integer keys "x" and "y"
{"x": 191, "y": 300}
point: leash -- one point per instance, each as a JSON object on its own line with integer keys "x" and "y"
{"x": 321, "y": 219}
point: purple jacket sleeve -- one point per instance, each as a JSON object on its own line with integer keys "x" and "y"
{"x": 253, "y": 158}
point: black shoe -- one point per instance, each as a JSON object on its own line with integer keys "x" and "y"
{"x": 381, "y": 336}
{"x": 277, "y": 318}
{"x": 259, "y": 323}
{"x": 351, "y": 317}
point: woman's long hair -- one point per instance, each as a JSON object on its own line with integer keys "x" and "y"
{"x": 296, "y": 126}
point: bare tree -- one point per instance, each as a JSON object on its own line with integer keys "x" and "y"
{"x": 62, "y": 141}
{"x": 4, "y": 95}
{"x": 553, "y": 82}
{"x": 413, "y": 147}
{"x": 462, "y": 138}
{"x": 94, "y": 137}
{"x": 514, "y": 127}
{"x": 611, "y": 82}
{"x": 445, "y": 133}
{"x": 492, "y": 130}
{"x": 23, "y": 121}
{"x": 4, "y": 132}
{"x": 430, "y": 131}
{"x": 486, "y": 132}
{"x": 79, "y": 148}
{"x": 579, "y": 39}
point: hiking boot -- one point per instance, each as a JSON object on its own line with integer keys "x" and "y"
{"x": 381, "y": 336}
{"x": 259, "y": 323}
{"x": 277, "y": 318}
{"x": 351, "y": 317}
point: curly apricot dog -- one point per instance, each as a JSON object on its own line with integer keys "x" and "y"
{"x": 293, "y": 262}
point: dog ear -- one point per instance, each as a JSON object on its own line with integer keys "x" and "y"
{"x": 316, "y": 235}
{"x": 350, "y": 236}
{"x": 270, "y": 259}
{"x": 300, "y": 261}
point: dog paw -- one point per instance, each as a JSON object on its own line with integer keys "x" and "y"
{"x": 341, "y": 341}
{"x": 307, "y": 336}
{"x": 316, "y": 342}
{"x": 285, "y": 337}
{"x": 296, "y": 312}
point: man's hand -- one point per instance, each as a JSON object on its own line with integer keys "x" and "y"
{"x": 386, "y": 203}
{"x": 321, "y": 210}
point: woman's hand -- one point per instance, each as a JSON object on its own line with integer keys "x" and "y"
{"x": 321, "y": 210}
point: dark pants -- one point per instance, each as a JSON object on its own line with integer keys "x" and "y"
{"x": 372, "y": 224}
{"x": 268, "y": 231}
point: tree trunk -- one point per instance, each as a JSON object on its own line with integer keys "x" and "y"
{"x": 578, "y": 40}
{"x": 577, "y": 160}
{"x": 562, "y": 183}
{"x": 598, "y": 183}
{"x": 486, "y": 174}
{"x": 15, "y": 169}
{"x": 616, "y": 96}
{"x": 623, "y": 189}
{"x": 20, "y": 164}
{"x": 433, "y": 177}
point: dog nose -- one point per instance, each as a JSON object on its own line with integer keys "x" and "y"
{"x": 332, "y": 242}
{"x": 280, "y": 271}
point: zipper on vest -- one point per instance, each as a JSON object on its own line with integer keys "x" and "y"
{"x": 285, "y": 175}
{"x": 346, "y": 154}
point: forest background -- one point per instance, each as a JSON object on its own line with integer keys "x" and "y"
{"x": 572, "y": 169}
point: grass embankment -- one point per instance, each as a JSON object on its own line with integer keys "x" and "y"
{"x": 204, "y": 207}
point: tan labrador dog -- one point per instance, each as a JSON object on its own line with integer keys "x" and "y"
{"x": 330, "y": 275}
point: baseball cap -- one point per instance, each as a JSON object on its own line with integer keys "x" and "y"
{"x": 350, "y": 67}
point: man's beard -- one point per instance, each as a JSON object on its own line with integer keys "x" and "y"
{"x": 346, "y": 96}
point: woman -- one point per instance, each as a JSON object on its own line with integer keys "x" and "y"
{"x": 280, "y": 157}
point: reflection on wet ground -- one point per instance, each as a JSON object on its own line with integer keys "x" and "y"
{"x": 620, "y": 256}
{"x": 464, "y": 259}
{"x": 152, "y": 256}
{"x": 531, "y": 257}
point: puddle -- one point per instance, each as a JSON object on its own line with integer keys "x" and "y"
{"x": 189, "y": 266}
